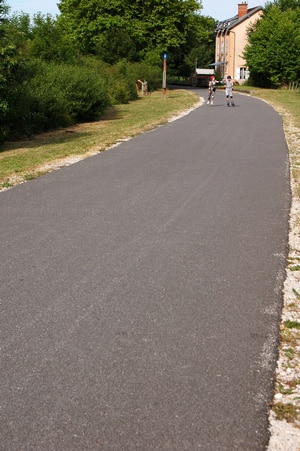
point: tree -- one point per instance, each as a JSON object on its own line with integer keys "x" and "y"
{"x": 90, "y": 23}
{"x": 135, "y": 28}
{"x": 273, "y": 50}
{"x": 18, "y": 29}
{"x": 7, "y": 49}
{"x": 11, "y": 68}
{"x": 283, "y": 5}
{"x": 201, "y": 43}
{"x": 50, "y": 42}
{"x": 3, "y": 10}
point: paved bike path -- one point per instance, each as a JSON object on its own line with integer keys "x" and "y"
{"x": 141, "y": 290}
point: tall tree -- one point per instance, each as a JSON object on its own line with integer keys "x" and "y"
{"x": 18, "y": 28}
{"x": 10, "y": 68}
{"x": 200, "y": 49}
{"x": 273, "y": 50}
{"x": 3, "y": 10}
{"x": 134, "y": 27}
{"x": 283, "y": 5}
{"x": 50, "y": 42}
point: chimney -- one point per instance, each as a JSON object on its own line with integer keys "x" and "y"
{"x": 242, "y": 9}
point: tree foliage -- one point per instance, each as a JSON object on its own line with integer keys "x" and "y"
{"x": 55, "y": 71}
{"x": 283, "y": 5}
{"x": 116, "y": 29}
{"x": 200, "y": 46}
{"x": 273, "y": 51}
{"x": 12, "y": 68}
{"x": 49, "y": 41}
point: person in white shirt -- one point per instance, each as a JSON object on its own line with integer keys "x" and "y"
{"x": 228, "y": 90}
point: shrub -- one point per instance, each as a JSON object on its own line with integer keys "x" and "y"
{"x": 83, "y": 93}
{"x": 121, "y": 79}
{"x": 56, "y": 95}
{"x": 51, "y": 95}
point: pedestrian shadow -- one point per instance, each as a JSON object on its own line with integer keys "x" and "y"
{"x": 221, "y": 105}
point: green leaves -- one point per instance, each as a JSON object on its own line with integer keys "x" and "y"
{"x": 273, "y": 52}
{"x": 135, "y": 28}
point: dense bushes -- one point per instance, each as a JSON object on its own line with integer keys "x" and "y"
{"x": 59, "y": 71}
{"x": 53, "y": 95}
{"x": 121, "y": 79}
{"x": 45, "y": 83}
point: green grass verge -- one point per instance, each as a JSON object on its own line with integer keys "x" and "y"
{"x": 24, "y": 160}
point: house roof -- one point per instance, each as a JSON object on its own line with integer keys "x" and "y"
{"x": 200, "y": 71}
{"x": 228, "y": 24}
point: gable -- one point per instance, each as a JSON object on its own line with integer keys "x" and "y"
{"x": 233, "y": 22}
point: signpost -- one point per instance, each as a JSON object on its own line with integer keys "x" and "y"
{"x": 164, "y": 81}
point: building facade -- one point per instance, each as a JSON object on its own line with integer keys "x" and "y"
{"x": 231, "y": 38}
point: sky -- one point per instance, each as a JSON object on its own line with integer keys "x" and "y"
{"x": 225, "y": 9}
{"x": 218, "y": 9}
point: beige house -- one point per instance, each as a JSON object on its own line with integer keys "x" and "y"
{"x": 231, "y": 38}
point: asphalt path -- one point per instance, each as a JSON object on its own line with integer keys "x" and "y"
{"x": 141, "y": 290}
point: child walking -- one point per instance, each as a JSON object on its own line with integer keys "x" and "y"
{"x": 228, "y": 91}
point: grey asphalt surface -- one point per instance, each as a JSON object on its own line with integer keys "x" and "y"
{"x": 141, "y": 290}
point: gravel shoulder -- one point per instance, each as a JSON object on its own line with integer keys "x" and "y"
{"x": 285, "y": 413}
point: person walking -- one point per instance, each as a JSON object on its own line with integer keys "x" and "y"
{"x": 211, "y": 90}
{"x": 228, "y": 90}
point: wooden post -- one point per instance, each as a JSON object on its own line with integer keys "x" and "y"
{"x": 164, "y": 82}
